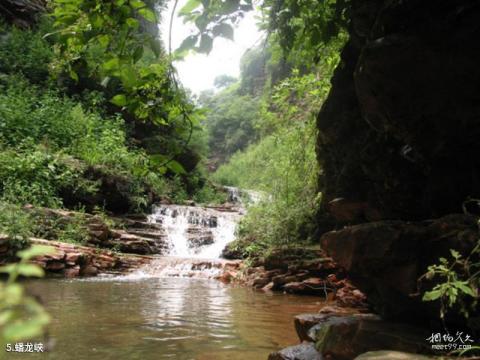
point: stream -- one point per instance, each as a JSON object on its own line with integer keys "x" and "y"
{"x": 172, "y": 308}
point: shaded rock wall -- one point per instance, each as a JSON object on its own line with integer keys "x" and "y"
{"x": 399, "y": 127}
{"x": 22, "y": 12}
{"x": 385, "y": 259}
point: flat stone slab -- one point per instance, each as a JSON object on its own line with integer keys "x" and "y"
{"x": 304, "y": 351}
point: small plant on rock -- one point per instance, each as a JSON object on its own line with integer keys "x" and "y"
{"x": 459, "y": 282}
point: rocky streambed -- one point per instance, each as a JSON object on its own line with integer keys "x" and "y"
{"x": 361, "y": 271}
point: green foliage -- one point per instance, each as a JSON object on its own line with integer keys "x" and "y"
{"x": 21, "y": 316}
{"x": 229, "y": 122}
{"x": 283, "y": 163}
{"x": 72, "y": 140}
{"x": 458, "y": 282}
{"x": 25, "y": 52}
{"x": 301, "y": 28}
{"x": 36, "y": 176}
{"x": 74, "y": 231}
{"x": 253, "y": 70}
{"x": 212, "y": 19}
{"x": 16, "y": 225}
{"x": 223, "y": 81}
{"x": 210, "y": 194}
{"x": 108, "y": 43}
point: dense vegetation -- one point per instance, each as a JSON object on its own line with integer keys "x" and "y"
{"x": 279, "y": 160}
{"x": 93, "y": 119}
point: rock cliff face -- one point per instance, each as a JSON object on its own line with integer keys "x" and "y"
{"x": 385, "y": 259}
{"x": 399, "y": 127}
{"x": 398, "y": 142}
{"x": 22, "y": 12}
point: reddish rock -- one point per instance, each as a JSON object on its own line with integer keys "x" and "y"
{"x": 55, "y": 265}
{"x": 72, "y": 258}
{"x": 268, "y": 287}
{"x": 385, "y": 260}
{"x": 260, "y": 282}
{"x": 311, "y": 286}
{"x": 304, "y": 322}
{"x": 72, "y": 272}
{"x": 89, "y": 270}
{"x": 226, "y": 277}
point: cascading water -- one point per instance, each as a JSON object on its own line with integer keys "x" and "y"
{"x": 195, "y": 237}
{"x": 196, "y": 232}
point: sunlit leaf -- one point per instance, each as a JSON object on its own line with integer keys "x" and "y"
{"x": 137, "y": 4}
{"x": 73, "y": 75}
{"x": 133, "y": 23}
{"x": 148, "y": 14}
{"x": 111, "y": 64}
{"x": 176, "y": 167}
{"x": 36, "y": 250}
{"x": 432, "y": 295}
{"x": 119, "y": 100}
{"x": 189, "y": 7}
{"x": 30, "y": 270}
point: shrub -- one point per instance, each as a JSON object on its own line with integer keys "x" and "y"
{"x": 283, "y": 165}
{"x": 25, "y": 52}
{"x": 37, "y": 176}
{"x": 16, "y": 225}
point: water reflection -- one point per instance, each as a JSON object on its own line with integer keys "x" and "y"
{"x": 169, "y": 318}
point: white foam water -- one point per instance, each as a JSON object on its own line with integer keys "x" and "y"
{"x": 196, "y": 232}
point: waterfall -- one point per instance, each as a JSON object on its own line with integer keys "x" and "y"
{"x": 195, "y": 238}
{"x": 196, "y": 232}
{"x": 244, "y": 197}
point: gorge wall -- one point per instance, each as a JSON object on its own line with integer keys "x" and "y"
{"x": 398, "y": 138}
{"x": 399, "y": 129}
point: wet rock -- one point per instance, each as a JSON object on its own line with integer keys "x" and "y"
{"x": 72, "y": 272}
{"x": 304, "y": 322}
{"x": 227, "y": 277}
{"x": 281, "y": 280}
{"x": 349, "y": 296}
{"x": 72, "y": 258}
{"x": 130, "y": 243}
{"x": 89, "y": 270}
{"x": 345, "y": 337}
{"x": 198, "y": 237}
{"x": 230, "y": 253}
{"x": 260, "y": 282}
{"x": 268, "y": 287}
{"x": 385, "y": 259}
{"x": 283, "y": 257}
{"x": 311, "y": 286}
{"x": 305, "y": 351}
{"x": 55, "y": 265}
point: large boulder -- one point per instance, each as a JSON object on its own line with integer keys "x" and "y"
{"x": 345, "y": 337}
{"x": 399, "y": 128}
{"x": 385, "y": 259}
